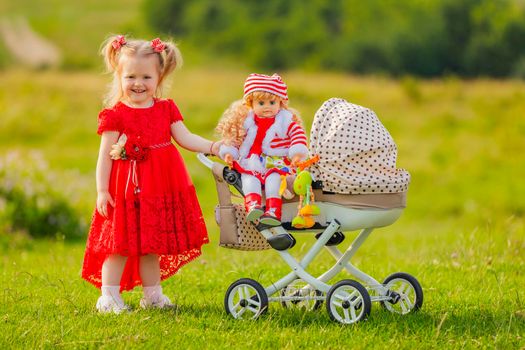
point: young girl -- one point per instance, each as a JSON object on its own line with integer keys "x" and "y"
{"x": 264, "y": 138}
{"x": 147, "y": 222}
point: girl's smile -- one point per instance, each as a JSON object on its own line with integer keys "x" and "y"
{"x": 139, "y": 80}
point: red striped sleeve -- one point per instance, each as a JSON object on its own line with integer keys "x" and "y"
{"x": 280, "y": 144}
{"x": 296, "y": 134}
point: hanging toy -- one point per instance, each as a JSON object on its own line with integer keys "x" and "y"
{"x": 283, "y": 189}
{"x": 302, "y": 186}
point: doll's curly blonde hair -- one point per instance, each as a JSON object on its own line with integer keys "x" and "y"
{"x": 231, "y": 124}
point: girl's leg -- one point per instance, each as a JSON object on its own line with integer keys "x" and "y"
{"x": 112, "y": 270}
{"x": 111, "y": 300}
{"x": 150, "y": 275}
{"x": 150, "y": 270}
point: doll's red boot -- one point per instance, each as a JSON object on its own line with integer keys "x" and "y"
{"x": 272, "y": 215}
{"x": 252, "y": 204}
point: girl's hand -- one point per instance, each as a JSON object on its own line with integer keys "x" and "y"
{"x": 216, "y": 147}
{"x": 103, "y": 198}
{"x": 228, "y": 158}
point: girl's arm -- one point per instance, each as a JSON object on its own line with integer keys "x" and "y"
{"x": 192, "y": 142}
{"x": 104, "y": 165}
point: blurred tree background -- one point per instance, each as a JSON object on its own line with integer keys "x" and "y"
{"x": 423, "y": 38}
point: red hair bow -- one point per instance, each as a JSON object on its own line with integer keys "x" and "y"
{"x": 118, "y": 42}
{"x": 157, "y": 45}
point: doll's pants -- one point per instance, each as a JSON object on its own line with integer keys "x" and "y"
{"x": 251, "y": 184}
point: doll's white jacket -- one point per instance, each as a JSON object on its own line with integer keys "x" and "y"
{"x": 284, "y": 138}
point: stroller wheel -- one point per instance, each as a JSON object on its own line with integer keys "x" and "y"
{"x": 405, "y": 292}
{"x": 348, "y": 302}
{"x": 299, "y": 294}
{"x": 246, "y": 299}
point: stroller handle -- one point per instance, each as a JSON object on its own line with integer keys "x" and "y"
{"x": 231, "y": 176}
{"x": 205, "y": 160}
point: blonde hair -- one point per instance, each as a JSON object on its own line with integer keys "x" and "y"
{"x": 231, "y": 124}
{"x": 169, "y": 59}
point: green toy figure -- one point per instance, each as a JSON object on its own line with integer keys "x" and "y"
{"x": 302, "y": 186}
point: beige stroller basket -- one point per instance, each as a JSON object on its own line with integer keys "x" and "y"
{"x": 349, "y": 199}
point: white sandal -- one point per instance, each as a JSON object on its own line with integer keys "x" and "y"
{"x": 154, "y": 298}
{"x": 107, "y": 304}
{"x": 162, "y": 302}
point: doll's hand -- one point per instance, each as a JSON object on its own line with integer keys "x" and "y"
{"x": 297, "y": 159}
{"x": 228, "y": 158}
{"x": 103, "y": 198}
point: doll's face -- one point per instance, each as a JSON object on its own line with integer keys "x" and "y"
{"x": 266, "y": 107}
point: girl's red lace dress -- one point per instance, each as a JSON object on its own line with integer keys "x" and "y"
{"x": 156, "y": 208}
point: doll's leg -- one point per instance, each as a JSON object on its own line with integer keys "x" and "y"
{"x": 251, "y": 186}
{"x": 111, "y": 300}
{"x": 272, "y": 185}
{"x": 272, "y": 215}
{"x": 150, "y": 275}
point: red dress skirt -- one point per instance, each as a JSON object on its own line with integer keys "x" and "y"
{"x": 156, "y": 209}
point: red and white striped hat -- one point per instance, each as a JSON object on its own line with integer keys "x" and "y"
{"x": 260, "y": 82}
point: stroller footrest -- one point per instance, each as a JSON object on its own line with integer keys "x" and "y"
{"x": 336, "y": 238}
{"x": 282, "y": 241}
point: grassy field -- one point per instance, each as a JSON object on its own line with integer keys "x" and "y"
{"x": 462, "y": 234}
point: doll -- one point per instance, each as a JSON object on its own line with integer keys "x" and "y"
{"x": 263, "y": 140}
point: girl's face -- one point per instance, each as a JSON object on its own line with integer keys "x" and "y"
{"x": 139, "y": 79}
{"x": 266, "y": 107}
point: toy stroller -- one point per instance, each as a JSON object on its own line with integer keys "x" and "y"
{"x": 357, "y": 187}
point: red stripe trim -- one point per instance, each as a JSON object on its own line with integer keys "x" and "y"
{"x": 277, "y": 88}
{"x": 265, "y": 82}
{"x": 299, "y": 139}
{"x": 265, "y": 88}
{"x": 293, "y": 126}
{"x": 280, "y": 145}
{"x": 298, "y": 134}
{"x": 298, "y": 143}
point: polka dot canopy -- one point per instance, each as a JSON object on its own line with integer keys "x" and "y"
{"x": 357, "y": 154}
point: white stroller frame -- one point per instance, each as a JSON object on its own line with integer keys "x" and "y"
{"x": 348, "y": 301}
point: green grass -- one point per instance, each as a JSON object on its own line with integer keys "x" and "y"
{"x": 471, "y": 300}
{"x": 462, "y": 234}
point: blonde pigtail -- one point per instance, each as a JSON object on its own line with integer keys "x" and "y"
{"x": 171, "y": 57}
{"x": 110, "y": 51}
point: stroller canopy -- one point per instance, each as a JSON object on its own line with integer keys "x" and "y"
{"x": 357, "y": 154}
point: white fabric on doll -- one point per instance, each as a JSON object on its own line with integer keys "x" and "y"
{"x": 111, "y": 301}
{"x": 154, "y": 298}
{"x": 251, "y": 184}
{"x": 279, "y": 129}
